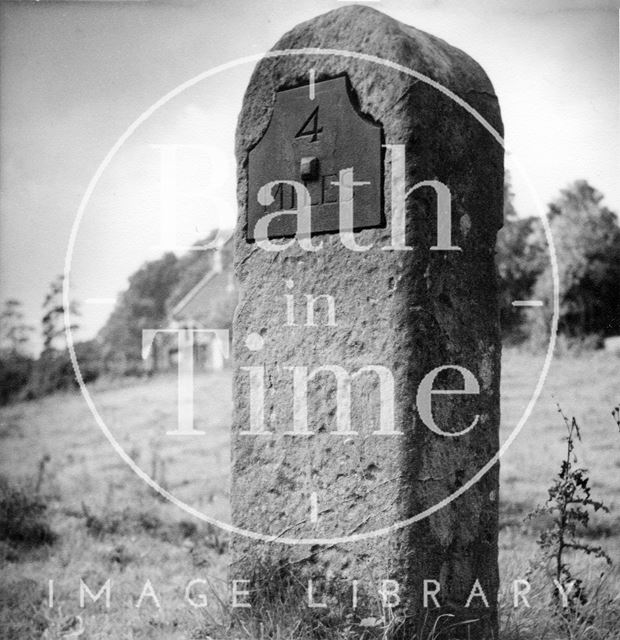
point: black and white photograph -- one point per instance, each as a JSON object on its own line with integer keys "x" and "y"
{"x": 310, "y": 320}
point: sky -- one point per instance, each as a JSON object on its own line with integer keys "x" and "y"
{"x": 75, "y": 75}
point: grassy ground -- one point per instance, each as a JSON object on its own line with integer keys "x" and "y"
{"x": 110, "y": 524}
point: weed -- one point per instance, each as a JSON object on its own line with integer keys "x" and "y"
{"x": 21, "y": 613}
{"x": 569, "y": 505}
{"x": 119, "y": 555}
{"x": 158, "y": 470}
{"x": 123, "y": 522}
{"x": 279, "y": 610}
{"x": 23, "y": 515}
{"x": 41, "y": 472}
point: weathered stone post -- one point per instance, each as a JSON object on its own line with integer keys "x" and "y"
{"x": 367, "y": 363}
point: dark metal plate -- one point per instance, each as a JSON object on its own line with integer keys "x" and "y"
{"x": 310, "y": 141}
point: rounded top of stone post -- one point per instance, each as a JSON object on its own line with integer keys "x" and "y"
{"x": 366, "y": 30}
{"x": 362, "y": 29}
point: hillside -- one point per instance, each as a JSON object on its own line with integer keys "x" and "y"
{"x": 109, "y": 523}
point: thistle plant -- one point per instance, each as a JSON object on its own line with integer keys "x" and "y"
{"x": 569, "y": 504}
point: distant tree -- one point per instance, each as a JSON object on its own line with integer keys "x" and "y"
{"x": 142, "y": 306}
{"x": 89, "y": 355}
{"x": 53, "y": 370}
{"x": 53, "y": 321}
{"x": 15, "y": 363}
{"x": 14, "y": 332}
{"x": 520, "y": 255}
{"x": 587, "y": 241}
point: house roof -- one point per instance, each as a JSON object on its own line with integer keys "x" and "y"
{"x": 199, "y": 293}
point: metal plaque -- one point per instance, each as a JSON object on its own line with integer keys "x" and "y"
{"x": 314, "y": 133}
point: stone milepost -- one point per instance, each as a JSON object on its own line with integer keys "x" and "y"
{"x": 366, "y": 340}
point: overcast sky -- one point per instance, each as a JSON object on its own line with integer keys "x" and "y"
{"x": 74, "y": 75}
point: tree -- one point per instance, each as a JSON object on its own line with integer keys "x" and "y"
{"x": 142, "y": 306}
{"x": 15, "y": 363}
{"x": 53, "y": 370}
{"x": 53, "y": 321}
{"x": 14, "y": 332}
{"x": 587, "y": 240}
{"x": 520, "y": 254}
{"x": 153, "y": 292}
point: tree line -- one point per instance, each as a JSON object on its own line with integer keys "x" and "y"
{"x": 586, "y": 236}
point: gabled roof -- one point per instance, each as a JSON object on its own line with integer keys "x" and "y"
{"x": 202, "y": 283}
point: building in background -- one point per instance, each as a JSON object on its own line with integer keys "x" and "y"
{"x": 209, "y": 304}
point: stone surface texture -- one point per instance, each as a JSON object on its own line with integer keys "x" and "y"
{"x": 409, "y": 311}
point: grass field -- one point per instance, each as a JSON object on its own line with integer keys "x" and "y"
{"x": 110, "y": 524}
